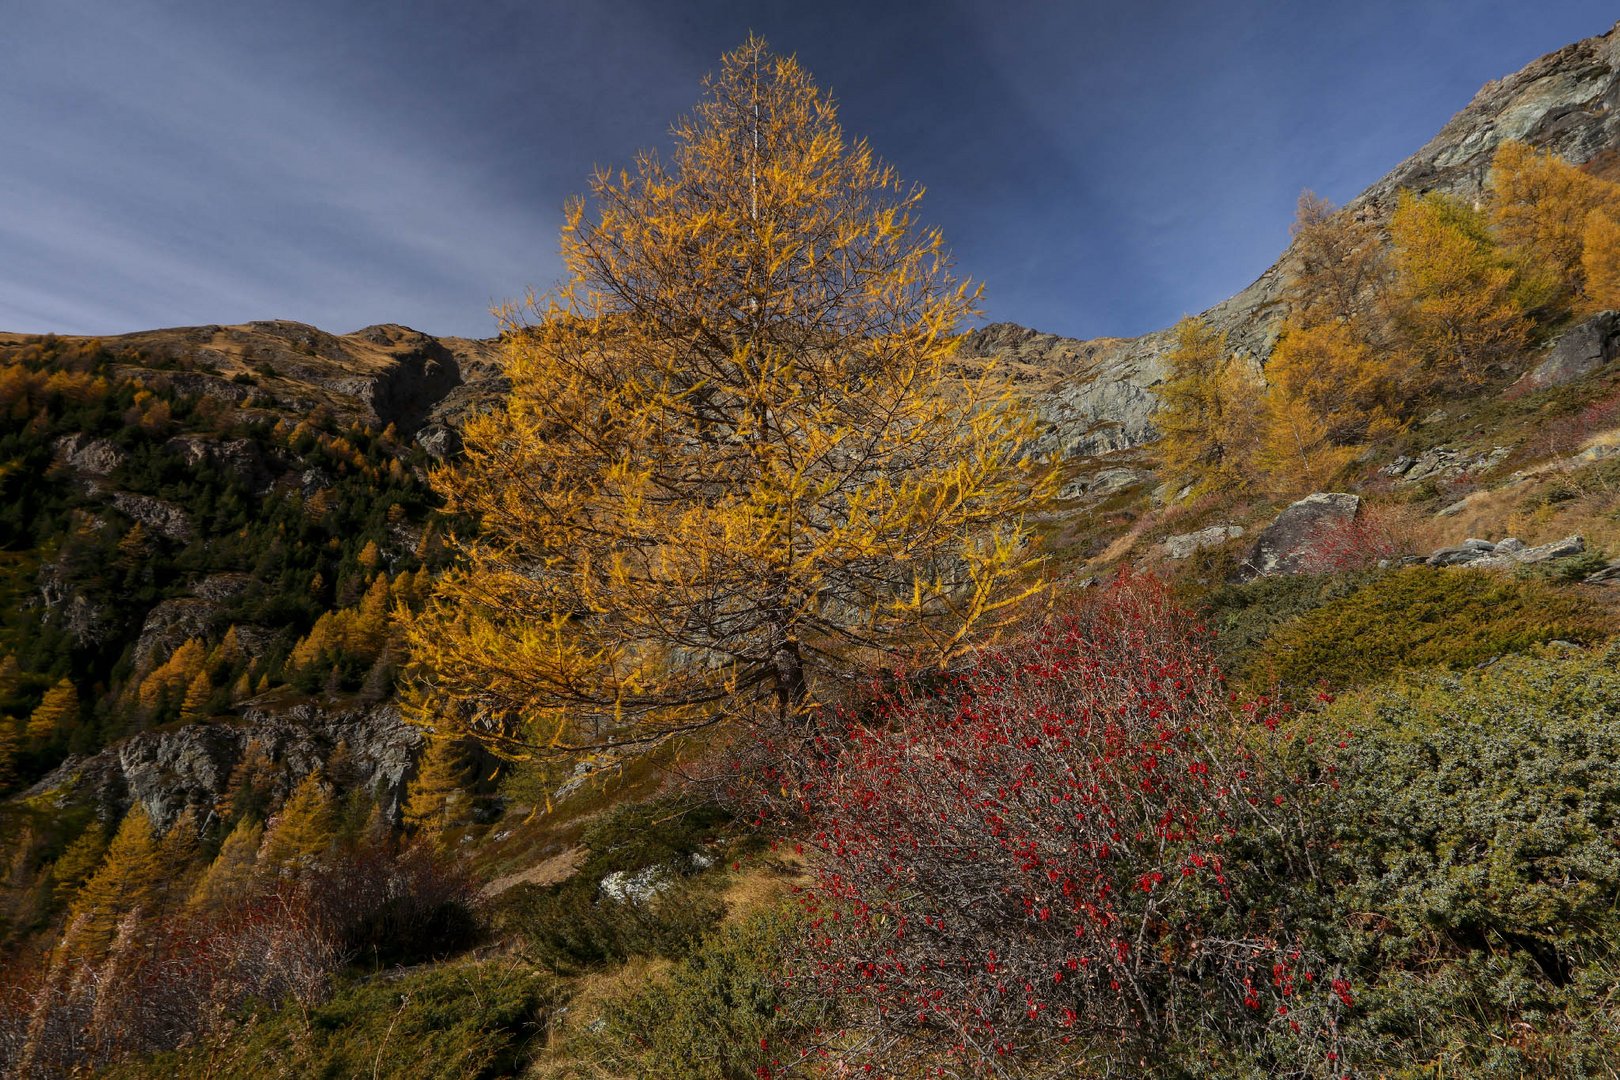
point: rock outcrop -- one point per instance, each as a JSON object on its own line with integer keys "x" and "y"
{"x": 1187, "y": 545}
{"x": 1093, "y": 396}
{"x": 1286, "y": 545}
{"x": 1579, "y": 351}
{"x": 168, "y": 771}
{"x": 1506, "y": 553}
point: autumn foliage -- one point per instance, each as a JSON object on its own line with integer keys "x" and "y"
{"x": 739, "y": 459}
{"x": 1064, "y": 855}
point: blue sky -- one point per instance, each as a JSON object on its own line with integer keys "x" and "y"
{"x": 1102, "y": 168}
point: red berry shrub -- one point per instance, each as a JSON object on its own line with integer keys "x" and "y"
{"x": 1065, "y": 853}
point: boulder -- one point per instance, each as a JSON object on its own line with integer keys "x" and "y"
{"x": 1567, "y": 548}
{"x": 1285, "y": 545}
{"x": 1579, "y": 351}
{"x": 1187, "y": 544}
{"x": 1508, "y": 553}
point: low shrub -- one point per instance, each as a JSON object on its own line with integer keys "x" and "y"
{"x": 1243, "y": 617}
{"x": 719, "y": 1014}
{"x": 1475, "y": 840}
{"x": 458, "y": 1021}
{"x": 1422, "y": 617}
{"x": 640, "y": 892}
{"x": 1062, "y": 859}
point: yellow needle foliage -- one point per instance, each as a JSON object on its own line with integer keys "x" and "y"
{"x": 1207, "y": 409}
{"x": 1600, "y": 259}
{"x": 1460, "y": 297}
{"x": 1340, "y": 269}
{"x": 1541, "y": 205}
{"x": 738, "y": 461}
{"x": 1329, "y": 393}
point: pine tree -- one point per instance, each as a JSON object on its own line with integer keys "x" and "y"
{"x": 1600, "y": 260}
{"x": 437, "y": 799}
{"x": 229, "y": 877}
{"x": 305, "y": 828}
{"x": 1458, "y": 294}
{"x": 56, "y": 715}
{"x": 128, "y": 880}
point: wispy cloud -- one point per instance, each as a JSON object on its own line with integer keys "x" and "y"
{"x": 1104, "y": 168}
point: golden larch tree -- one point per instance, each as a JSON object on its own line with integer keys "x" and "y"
{"x": 128, "y": 880}
{"x": 1329, "y": 393}
{"x": 436, "y": 791}
{"x": 229, "y": 875}
{"x": 305, "y": 828}
{"x": 1340, "y": 265}
{"x": 1540, "y": 204}
{"x": 739, "y": 460}
{"x": 1203, "y": 402}
{"x": 55, "y": 716}
{"x": 1459, "y": 295}
{"x": 1600, "y": 259}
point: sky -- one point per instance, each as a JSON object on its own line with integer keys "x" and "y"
{"x": 1102, "y": 168}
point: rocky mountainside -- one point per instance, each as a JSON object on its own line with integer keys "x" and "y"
{"x": 1093, "y": 394}
{"x": 381, "y": 375}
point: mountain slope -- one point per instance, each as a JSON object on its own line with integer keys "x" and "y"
{"x": 1093, "y": 394}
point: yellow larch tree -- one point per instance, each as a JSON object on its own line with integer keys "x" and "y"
{"x": 1459, "y": 295}
{"x": 739, "y": 460}
{"x": 1600, "y": 259}
{"x": 1340, "y": 265}
{"x": 1203, "y": 396}
{"x": 128, "y": 880}
{"x": 436, "y": 792}
{"x": 305, "y": 828}
{"x": 1329, "y": 394}
{"x": 55, "y": 715}
{"x": 228, "y": 877}
{"x": 1540, "y": 204}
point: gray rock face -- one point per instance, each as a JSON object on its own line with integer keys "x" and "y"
{"x": 1579, "y": 351}
{"x": 1097, "y": 399}
{"x": 240, "y": 458}
{"x": 167, "y": 627}
{"x": 1442, "y": 461}
{"x": 1188, "y": 544}
{"x": 164, "y": 518}
{"x": 1102, "y": 483}
{"x": 167, "y": 771}
{"x": 1287, "y": 543}
{"x": 93, "y": 457}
